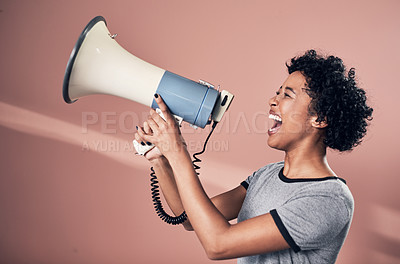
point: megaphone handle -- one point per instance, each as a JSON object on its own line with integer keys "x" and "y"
{"x": 143, "y": 149}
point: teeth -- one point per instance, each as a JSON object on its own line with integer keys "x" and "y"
{"x": 275, "y": 117}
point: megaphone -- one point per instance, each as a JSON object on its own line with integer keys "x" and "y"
{"x": 99, "y": 65}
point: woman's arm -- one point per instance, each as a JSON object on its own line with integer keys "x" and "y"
{"x": 168, "y": 187}
{"x": 219, "y": 238}
{"x": 228, "y": 203}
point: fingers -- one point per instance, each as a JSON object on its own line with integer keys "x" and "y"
{"x": 155, "y": 117}
{"x": 164, "y": 108}
{"x": 147, "y": 129}
{"x": 150, "y": 127}
{"x": 155, "y": 126}
{"x": 140, "y": 139}
{"x": 155, "y": 122}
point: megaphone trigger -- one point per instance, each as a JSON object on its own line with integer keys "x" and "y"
{"x": 178, "y": 119}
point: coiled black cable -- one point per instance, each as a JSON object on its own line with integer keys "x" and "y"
{"x": 155, "y": 192}
{"x": 195, "y": 158}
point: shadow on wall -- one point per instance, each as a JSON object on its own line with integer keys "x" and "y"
{"x": 62, "y": 204}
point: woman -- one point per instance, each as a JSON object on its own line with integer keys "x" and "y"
{"x": 296, "y": 210}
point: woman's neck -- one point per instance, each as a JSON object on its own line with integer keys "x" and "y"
{"x": 307, "y": 162}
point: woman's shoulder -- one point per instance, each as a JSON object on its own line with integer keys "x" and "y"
{"x": 333, "y": 188}
{"x": 265, "y": 172}
{"x": 275, "y": 166}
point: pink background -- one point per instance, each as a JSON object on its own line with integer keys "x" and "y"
{"x": 68, "y": 195}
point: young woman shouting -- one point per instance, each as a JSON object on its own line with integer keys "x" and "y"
{"x": 294, "y": 211}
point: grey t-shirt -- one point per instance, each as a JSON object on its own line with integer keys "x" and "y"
{"x": 313, "y": 215}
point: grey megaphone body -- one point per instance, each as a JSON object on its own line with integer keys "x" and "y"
{"x": 99, "y": 65}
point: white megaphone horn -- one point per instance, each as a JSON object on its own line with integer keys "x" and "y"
{"x": 99, "y": 65}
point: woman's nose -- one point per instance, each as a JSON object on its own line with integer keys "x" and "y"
{"x": 273, "y": 101}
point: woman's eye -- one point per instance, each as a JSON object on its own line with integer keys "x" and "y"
{"x": 286, "y": 95}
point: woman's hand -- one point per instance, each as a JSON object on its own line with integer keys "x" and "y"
{"x": 154, "y": 153}
{"x": 164, "y": 134}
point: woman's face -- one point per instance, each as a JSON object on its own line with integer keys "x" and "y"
{"x": 289, "y": 112}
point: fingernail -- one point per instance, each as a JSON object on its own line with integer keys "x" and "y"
{"x": 142, "y": 143}
{"x": 156, "y": 95}
{"x": 148, "y": 143}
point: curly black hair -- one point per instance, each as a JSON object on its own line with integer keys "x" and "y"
{"x": 335, "y": 98}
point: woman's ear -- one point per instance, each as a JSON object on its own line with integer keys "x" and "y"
{"x": 318, "y": 124}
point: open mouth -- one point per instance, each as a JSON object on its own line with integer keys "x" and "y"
{"x": 276, "y": 125}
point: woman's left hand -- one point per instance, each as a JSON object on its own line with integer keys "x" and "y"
{"x": 165, "y": 134}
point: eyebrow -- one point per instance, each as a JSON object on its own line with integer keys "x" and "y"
{"x": 290, "y": 89}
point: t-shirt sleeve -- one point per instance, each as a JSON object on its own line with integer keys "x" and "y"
{"x": 246, "y": 182}
{"x": 310, "y": 222}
